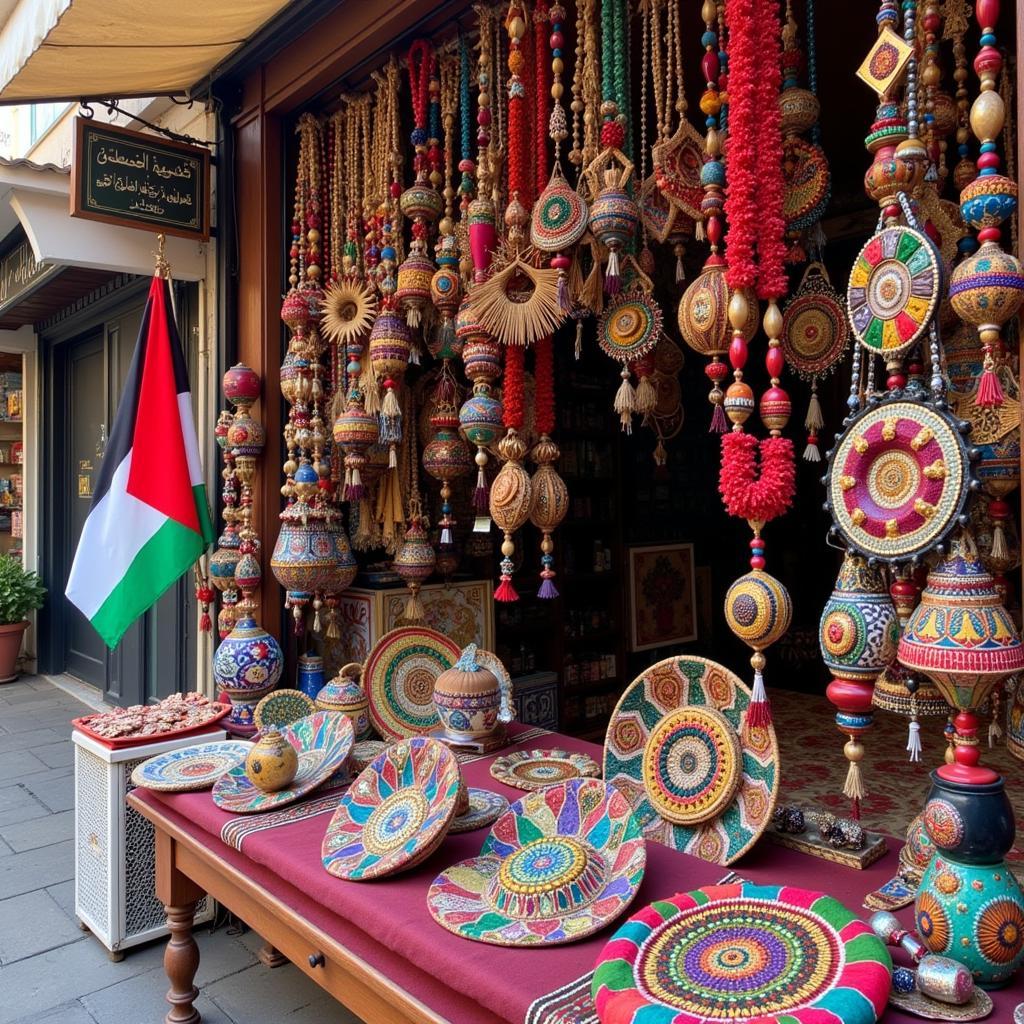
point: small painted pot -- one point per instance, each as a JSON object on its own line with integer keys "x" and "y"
{"x": 468, "y": 698}
{"x": 969, "y": 906}
{"x": 272, "y": 763}
{"x": 344, "y": 693}
{"x": 311, "y": 676}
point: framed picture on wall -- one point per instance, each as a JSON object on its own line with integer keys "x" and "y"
{"x": 662, "y": 596}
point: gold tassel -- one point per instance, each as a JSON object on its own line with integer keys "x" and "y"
{"x": 625, "y": 402}
{"x": 646, "y": 396}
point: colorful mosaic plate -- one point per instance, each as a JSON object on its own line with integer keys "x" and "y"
{"x": 629, "y": 326}
{"x": 535, "y": 769}
{"x": 282, "y": 707}
{"x": 399, "y": 678}
{"x": 484, "y": 808}
{"x": 190, "y": 768}
{"x": 894, "y": 290}
{"x": 815, "y": 331}
{"x": 323, "y": 741}
{"x": 678, "y": 745}
{"x": 767, "y": 953}
{"x": 395, "y": 814}
{"x": 557, "y": 866}
{"x": 898, "y": 479}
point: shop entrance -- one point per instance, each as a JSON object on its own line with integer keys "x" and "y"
{"x": 88, "y": 363}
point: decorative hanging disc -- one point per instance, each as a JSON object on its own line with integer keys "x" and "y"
{"x": 898, "y": 480}
{"x": 677, "y": 166}
{"x": 773, "y": 954}
{"x": 559, "y": 216}
{"x": 894, "y": 290}
{"x": 629, "y": 326}
{"x": 678, "y": 745}
{"x": 815, "y": 331}
{"x": 808, "y": 184}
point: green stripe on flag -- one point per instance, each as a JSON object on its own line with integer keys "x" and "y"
{"x": 203, "y": 511}
{"x": 160, "y": 562}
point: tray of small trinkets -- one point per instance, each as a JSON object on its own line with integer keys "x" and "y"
{"x": 820, "y": 834}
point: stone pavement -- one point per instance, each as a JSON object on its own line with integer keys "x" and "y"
{"x": 52, "y": 972}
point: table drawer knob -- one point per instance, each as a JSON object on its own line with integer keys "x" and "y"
{"x": 316, "y": 959}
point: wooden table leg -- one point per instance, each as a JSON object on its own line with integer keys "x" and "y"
{"x": 270, "y": 957}
{"x": 179, "y": 895}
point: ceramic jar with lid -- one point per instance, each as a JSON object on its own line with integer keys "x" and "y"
{"x": 468, "y": 698}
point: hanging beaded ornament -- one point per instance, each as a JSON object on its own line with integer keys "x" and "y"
{"x": 815, "y": 335}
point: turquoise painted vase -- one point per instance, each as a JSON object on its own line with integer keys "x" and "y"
{"x": 969, "y": 905}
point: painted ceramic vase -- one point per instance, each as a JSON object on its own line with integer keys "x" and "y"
{"x": 969, "y": 906}
{"x": 305, "y": 556}
{"x": 468, "y": 698}
{"x": 272, "y": 763}
{"x": 247, "y": 666}
{"x": 311, "y": 676}
{"x": 345, "y": 694}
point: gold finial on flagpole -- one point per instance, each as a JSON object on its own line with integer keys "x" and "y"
{"x": 163, "y": 268}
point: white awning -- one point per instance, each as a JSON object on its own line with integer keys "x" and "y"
{"x": 75, "y": 49}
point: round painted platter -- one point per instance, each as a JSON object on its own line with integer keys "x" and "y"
{"x": 323, "y": 741}
{"x": 282, "y": 707}
{"x": 190, "y": 768}
{"x": 766, "y": 953}
{"x": 395, "y": 814}
{"x": 484, "y": 808}
{"x": 535, "y": 769}
{"x": 898, "y": 480}
{"x": 557, "y": 866}
{"x": 678, "y": 745}
{"x": 399, "y": 678}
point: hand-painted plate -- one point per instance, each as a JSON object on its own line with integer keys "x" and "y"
{"x": 399, "y": 678}
{"x": 190, "y": 768}
{"x": 767, "y": 953}
{"x": 282, "y": 707}
{"x": 323, "y": 741}
{"x": 678, "y": 745}
{"x": 557, "y": 866}
{"x": 484, "y": 808}
{"x": 395, "y": 814}
{"x": 535, "y": 769}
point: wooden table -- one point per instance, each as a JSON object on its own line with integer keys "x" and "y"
{"x": 186, "y": 868}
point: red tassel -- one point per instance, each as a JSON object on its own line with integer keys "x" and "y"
{"x": 759, "y": 714}
{"x": 506, "y": 592}
{"x": 990, "y": 391}
{"x": 719, "y": 424}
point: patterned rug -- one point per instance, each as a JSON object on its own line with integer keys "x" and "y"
{"x": 814, "y": 768}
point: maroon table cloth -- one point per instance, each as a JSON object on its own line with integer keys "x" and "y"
{"x": 387, "y": 923}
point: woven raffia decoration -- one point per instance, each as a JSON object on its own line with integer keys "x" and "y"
{"x": 347, "y": 311}
{"x": 519, "y": 303}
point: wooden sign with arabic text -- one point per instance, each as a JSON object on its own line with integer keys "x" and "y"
{"x": 139, "y": 180}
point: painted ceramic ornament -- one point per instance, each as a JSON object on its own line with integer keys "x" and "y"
{"x": 969, "y": 905}
{"x": 246, "y": 665}
{"x": 678, "y": 745}
{"x": 272, "y": 763}
{"x": 898, "y": 480}
{"x": 399, "y": 677}
{"x": 894, "y": 290}
{"x": 322, "y": 741}
{"x": 987, "y": 288}
{"x": 344, "y": 693}
{"x": 305, "y": 557}
{"x": 472, "y": 703}
{"x": 557, "y": 866}
{"x": 559, "y": 217}
{"x": 282, "y": 707}
{"x": 538, "y": 769}
{"x": 483, "y": 808}
{"x": 766, "y": 953}
{"x": 190, "y": 768}
{"x": 395, "y": 814}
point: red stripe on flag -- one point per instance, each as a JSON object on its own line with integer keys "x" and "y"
{"x": 159, "y": 470}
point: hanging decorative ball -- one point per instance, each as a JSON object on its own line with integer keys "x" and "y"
{"x": 987, "y": 200}
{"x": 472, "y": 333}
{"x": 894, "y": 290}
{"x": 289, "y": 375}
{"x": 412, "y": 294}
{"x": 614, "y": 222}
{"x": 246, "y": 436}
{"x": 549, "y": 497}
{"x": 355, "y": 430}
{"x": 758, "y": 609}
{"x": 738, "y": 402}
{"x": 241, "y": 385}
{"x": 414, "y": 561}
{"x": 224, "y": 559}
{"x": 420, "y": 200}
{"x": 480, "y": 419}
{"x": 511, "y": 493}
{"x": 559, "y": 218}
{"x": 703, "y": 313}
{"x": 800, "y": 109}
{"x": 248, "y": 572}
{"x": 305, "y": 557}
{"x": 295, "y": 311}
{"x": 987, "y": 289}
{"x": 390, "y": 343}
{"x": 446, "y": 456}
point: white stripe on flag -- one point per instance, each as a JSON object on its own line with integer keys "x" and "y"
{"x": 188, "y": 433}
{"x": 114, "y": 533}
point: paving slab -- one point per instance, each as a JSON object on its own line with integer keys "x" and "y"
{"x": 19, "y": 764}
{"x": 36, "y": 869}
{"x": 141, "y": 1000}
{"x": 68, "y": 1013}
{"x": 33, "y": 923}
{"x": 24, "y": 739}
{"x": 30, "y": 835}
{"x": 59, "y": 754}
{"x": 63, "y": 894}
{"x": 55, "y": 788}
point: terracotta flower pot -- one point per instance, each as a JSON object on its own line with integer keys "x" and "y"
{"x": 10, "y": 647}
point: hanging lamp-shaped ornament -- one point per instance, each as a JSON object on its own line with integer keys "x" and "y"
{"x": 390, "y": 343}
{"x": 858, "y": 634}
{"x": 414, "y": 561}
{"x": 446, "y": 295}
{"x": 355, "y": 431}
{"x": 549, "y": 504}
{"x": 446, "y": 457}
{"x": 510, "y": 501}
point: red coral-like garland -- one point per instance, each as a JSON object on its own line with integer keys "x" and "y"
{"x": 747, "y": 494}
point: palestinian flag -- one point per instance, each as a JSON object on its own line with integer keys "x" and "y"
{"x": 149, "y": 520}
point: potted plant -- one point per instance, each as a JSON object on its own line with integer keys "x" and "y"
{"x": 21, "y": 592}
